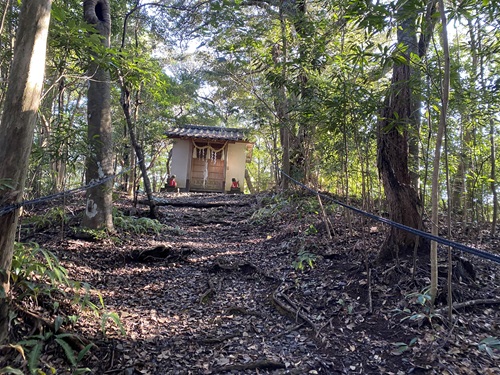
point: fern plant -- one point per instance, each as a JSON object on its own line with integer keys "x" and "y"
{"x": 37, "y": 275}
{"x": 270, "y": 210}
{"x": 136, "y": 225}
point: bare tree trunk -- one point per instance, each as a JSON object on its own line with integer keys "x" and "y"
{"x": 398, "y": 115}
{"x": 493, "y": 178}
{"x": 125, "y": 102}
{"x": 249, "y": 182}
{"x": 301, "y": 142}
{"x": 4, "y": 15}
{"x": 461, "y": 194}
{"x": 18, "y": 122}
{"x": 139, "y": 152}
{"x": 437, "y": 154}
{"x": 392, "y": 160}
{"x": 99, "y": 163}
{"x": 281, "y": 104}
{"x": 5, "y": 65}
{"x": 458, "y": 190}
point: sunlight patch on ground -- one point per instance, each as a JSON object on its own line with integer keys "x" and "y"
{"x": 215, "y": 256}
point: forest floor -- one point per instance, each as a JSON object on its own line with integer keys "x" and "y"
{"x": 242, "y": 284}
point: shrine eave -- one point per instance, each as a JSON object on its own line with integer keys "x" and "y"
{"x": 208, "y": 133}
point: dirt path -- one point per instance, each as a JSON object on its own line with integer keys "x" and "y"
{"x": 228, "y": 298}
{"x": 213, "y": 312}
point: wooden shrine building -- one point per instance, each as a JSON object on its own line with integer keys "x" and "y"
{"x": 207, "y": 158}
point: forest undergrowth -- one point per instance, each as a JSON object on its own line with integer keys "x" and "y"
{"x": 242, "y": 284}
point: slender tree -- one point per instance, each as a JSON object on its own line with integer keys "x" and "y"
{"x": 126, "y": 106}
{"x": 99, "y": 162}
{"x": 18, "y": 122}
{"x": 437, "y": 152}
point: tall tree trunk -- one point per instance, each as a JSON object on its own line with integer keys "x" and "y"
{"x": 396, "y": 119}
{"x": 99, "y": 162}
{"x": 392, "y": 160}
{"x": 493, "y": 177}
{"x": 18, "y": 122}
{"x": 281, "y": 103}
{"x": 138, "y": 150}
{"x": 458, "y": 198}
{"x": 302, "y": 143}
{"x": 399, "y": 114}
{"x": 437, "y": 154}
{"x": 461, "y": 194}
{"x": 5, "y": 47}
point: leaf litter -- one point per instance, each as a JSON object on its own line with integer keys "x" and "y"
{"x": 253, "y": 285}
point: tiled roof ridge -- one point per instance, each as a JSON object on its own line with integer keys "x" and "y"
{"x": 208, "y": 132}
{"x": 205, "y": 127}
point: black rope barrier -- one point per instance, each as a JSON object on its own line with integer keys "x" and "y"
{"x": 6, "y": 209}
{"x": 467, "y": 249}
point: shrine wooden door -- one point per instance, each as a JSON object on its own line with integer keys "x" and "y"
{"x": 208, "y": 167}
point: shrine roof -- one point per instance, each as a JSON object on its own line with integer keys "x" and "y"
{"x": 208, "y": 133}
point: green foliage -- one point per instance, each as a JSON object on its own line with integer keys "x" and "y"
{"x": 424, "y": 312}
{"x": 489, "y": 344}
{"x": 304, "y": 259}
{"x": 309, "y": 205}
{"x": 10, "y": 370}
{"x": 174, "y": 230}
{"x": 92, "y": 234}
{"x": 37, "y": 276}
{"x": 35, "y": 344}
{"x": 311, "y": 230}
{"x": 136, "y": 225}
{"x": 113, "y": 316}
{"x": 400, "y": 347}
{"x": 36, "y": 272}
{"x": 272, "y": 206}
{"x": 6, "y": 183}
{"x": 349, "y": 308}
{"x": 53, "y": 216}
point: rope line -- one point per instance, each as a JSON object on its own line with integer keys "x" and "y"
{"x": 6, "y": 209}
{"x": 467, "y": 249}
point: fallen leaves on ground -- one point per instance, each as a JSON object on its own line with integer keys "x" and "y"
{"x": 223, "y": 293}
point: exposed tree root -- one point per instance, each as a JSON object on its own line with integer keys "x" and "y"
{"x": 291, "y": 329}
{"x": 465, "y": 304}
{"x": 291, "y": 309}
{"x": 211, "y": 291}
{"x": 263, "y": 364}
{"x": 246, "y": 268}
{"x": 159, "y": 253}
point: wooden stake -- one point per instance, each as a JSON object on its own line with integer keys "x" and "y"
{"x": 325, "y": 217}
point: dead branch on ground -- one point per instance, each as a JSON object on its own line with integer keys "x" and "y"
{"x": 291, "y": 309}
{"x": 465, "y": 304}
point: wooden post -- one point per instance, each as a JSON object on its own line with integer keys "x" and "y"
{"x": 325, "y": 217}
